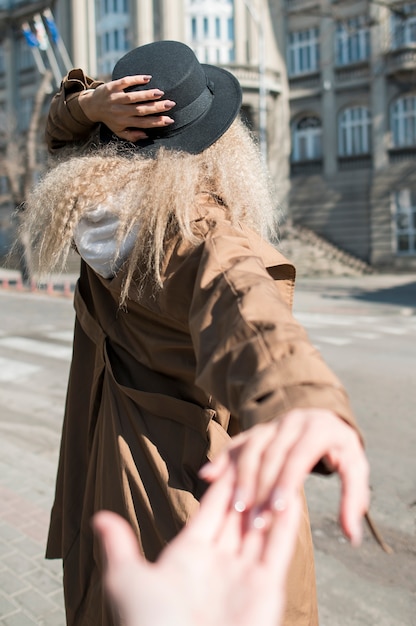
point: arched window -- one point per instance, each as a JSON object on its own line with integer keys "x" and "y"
{"x": 307, "y": 142}
{"x": 210, "y": 30}
{"x": 403, "y": 121}
{"x": 354, "y": 131}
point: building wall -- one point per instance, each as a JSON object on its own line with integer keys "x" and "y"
{"x": 350, "y": 195}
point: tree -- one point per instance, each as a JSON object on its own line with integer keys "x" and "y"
{"x": 21, "y": 160}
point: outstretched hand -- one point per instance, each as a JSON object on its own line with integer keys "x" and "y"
{"x": 127, "y": 113}
{"x": 271, "y": 461}
{"x": 211, "y": 557}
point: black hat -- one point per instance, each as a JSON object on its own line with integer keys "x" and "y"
{"x": 208, "y": 98}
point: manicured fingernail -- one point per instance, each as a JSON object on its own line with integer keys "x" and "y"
{"x": 239, "y": 502}
{"x": 157, "y": 93}
{"x": 168, "y": 120}
{"x": 279, "y": 501}
{"x": 147, "y": 77}
{"x": 168, "y": 104}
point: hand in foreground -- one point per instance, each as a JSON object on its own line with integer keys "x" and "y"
{"x": 243, "y": 573}
{"x": 125, "y": 113}
{"x": 271, "y": 462}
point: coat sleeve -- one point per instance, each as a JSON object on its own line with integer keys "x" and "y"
{"x": 66, "y": 121}
{"x": 252, "y": 355}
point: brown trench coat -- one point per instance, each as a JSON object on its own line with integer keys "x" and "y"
{"x": 147, "y": 395}
{"x": 157, "y": 389}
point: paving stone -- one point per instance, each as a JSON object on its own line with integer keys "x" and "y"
{"x": 36, "y": 603}
{"x": 10, "y": 533}
{"x": 7, "y": 606}
{"x": 30, "y": 548}
{"x": 43, "y": 582}
{"x": 10, "y": 583}
{"x": 19, "y": 563}
{"x": 57, "y": 618}
{"x": 18, "y": 619}
{"x": 5, "y": 548}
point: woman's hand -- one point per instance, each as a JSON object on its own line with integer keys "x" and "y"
{"x": 244, "y": 574}
{"x": 271, "y": 462}
{"x": 126, "y": 113}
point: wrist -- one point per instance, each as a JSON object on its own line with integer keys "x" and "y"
{"x": 86, "y": 104}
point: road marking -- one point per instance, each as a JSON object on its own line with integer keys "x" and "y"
{"x": 33, "y": 346}
{"x": 361, "y": 335}
{"x": 335, "y": 341}
{"x": 11, "y": 371}
{"x": 392, "y": 330}
{"x": 62, "y": 335}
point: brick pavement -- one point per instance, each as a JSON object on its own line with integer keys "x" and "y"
{"x": 30, "y": 586}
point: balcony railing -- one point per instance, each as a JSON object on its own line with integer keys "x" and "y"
{"x": 403, "y": 153}
{"x": 355, "y": 162}
{"x": 401, "y": 62}
{"x": 249, "y": 77}
{"x": 306, "y": 168}
{"x": 352, "y": 73}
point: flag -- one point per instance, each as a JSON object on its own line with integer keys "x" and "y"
{"x": 41, "y": 34}
{"x": 50, "y": 23}
{"x": 30, "y": 36}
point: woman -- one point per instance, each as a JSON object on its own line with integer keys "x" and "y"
{"x": 184, "y": 335}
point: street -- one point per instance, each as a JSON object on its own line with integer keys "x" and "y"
{"x": 365, "y": 328}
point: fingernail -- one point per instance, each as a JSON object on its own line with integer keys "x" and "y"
{"x": 169, "y": 120}
{"x": 169, "y": 104}
{"x": 147, "y": 77}
{"x": 239, "y": 502}
{"x": 278, "y": 501}
{"x": 157, "y": 93}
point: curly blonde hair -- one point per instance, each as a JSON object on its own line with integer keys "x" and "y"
{"x": 159, "y": 193}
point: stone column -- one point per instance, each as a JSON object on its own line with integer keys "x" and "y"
{"x": 174, "y": 19}
{"x": 84, "y": 36}
{"x": 144, "y": 22}
{"x": 329, "y": 114}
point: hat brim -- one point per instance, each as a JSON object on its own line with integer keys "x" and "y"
{"x": 203, "y": 132}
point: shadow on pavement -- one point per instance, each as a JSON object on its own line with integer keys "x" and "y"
{"x": 401, "y": 295}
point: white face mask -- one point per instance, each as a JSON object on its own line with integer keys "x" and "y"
{"x": 95, "y": 237}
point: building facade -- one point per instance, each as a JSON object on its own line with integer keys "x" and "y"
{"x": 240, "y": 35}
{"x": 329, "y": 87}
{"x": 352, "y": 76}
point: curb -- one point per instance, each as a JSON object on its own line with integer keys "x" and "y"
{"x": 64, "y": 288}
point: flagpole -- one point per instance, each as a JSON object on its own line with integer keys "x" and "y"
{"x": 57, "y": 39}
{"x": 34, "y": 46}
{"x": 39, "y": 25}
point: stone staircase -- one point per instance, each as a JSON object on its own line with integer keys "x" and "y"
{"x": 314, "y": 256}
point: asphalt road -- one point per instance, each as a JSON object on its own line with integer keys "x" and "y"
{"x": 365, "y": 329}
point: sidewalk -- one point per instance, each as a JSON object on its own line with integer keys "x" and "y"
{"x": 55, "y": 284}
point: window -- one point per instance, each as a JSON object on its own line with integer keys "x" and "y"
{"x": 354, "y": 131}
{"x": 307, "y": 139}
{"x": 404, "y": 224}
{"x": 403, "y": 121}
{"x": 403, "y": 26}
{"x": 210, "y": 29}
{"x": 303, "y": 52}
{"x": 107, "y": 7}
{"x": 352, "y": 41}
